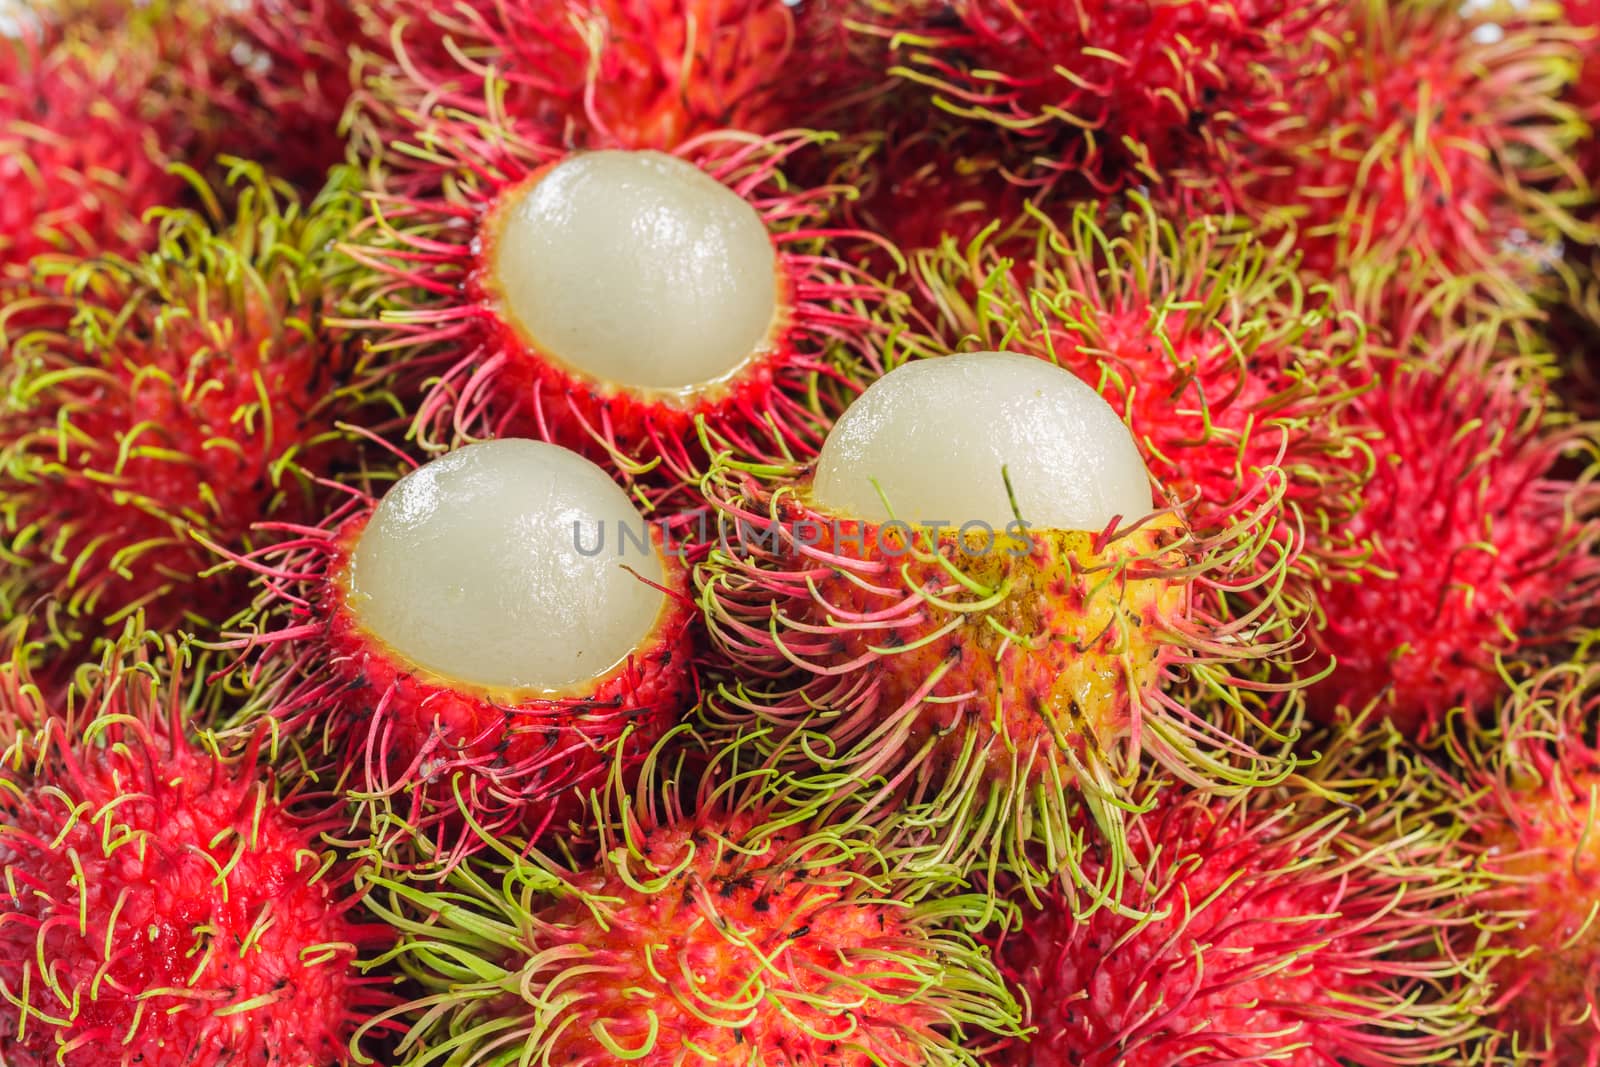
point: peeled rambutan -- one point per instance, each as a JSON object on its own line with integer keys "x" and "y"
{"x": 619, "y": 303}
{"x": 1118, "y": 94}
{"x": 185, "y": 393}
{"x": 160, "y": 904}
{"x": 80, "y": 162}
{"x": 1526, "y": 790}
{"x": 1478, "y": 525}
{"x": 970, "y": 605}
{"x": 1291, "y": 925}
{"x": 716, "y": 925}
{"x": 1230, "y": 372}
{"x": 487, "y": 634}
{"x": 1438, "y": 140}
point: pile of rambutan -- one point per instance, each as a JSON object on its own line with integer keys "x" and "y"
{"x": 799, "y": 533}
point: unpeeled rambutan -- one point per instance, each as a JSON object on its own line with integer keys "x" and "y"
{"x": 1438, "y": 140}
{"x": 630, "y": 74}
{"x": 1526, "y": 790}
{"x": 160, "y": 904}
{"x": 1306, "y": 925}
{"x": 1584, "y": 92}
{"x": 272, "y": 79}
{"x": 920, "y": 179}
{"x": 716, "y": 925}
{"x": 80, "y": 160}
{"x": 708, "y": 303}
{"x": 1478, "y": 525}
{"x": 1118, "y": 94}
{"x": 188, "y": 392}
{"x": 264, "y": 80}
{"x": 970, "y": 608}
{"x": 487, "y": 634}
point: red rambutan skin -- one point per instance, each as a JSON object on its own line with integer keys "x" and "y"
{"x": 423, "y": 747}
{"x": 922, "y": 177}
{"x": 160, "y": 907}
{"x": 1481, "y": 549}
{"x": 1253, "y": 933}
{"x": 431, "y": 256}
{"x": 275, "y": 89}
{"x": 180, "y": 396}
{"x": 1527, "y": 790}
{"x": 611, "y": 73}
{"x": 1584, "y": 92}
{"x": 1438, "y": 140}
{"x": 786, "y": 914}
{"x": 745, "y": 930}
{"x": 1119, "y": 93}
{"x": 79, "y": 161}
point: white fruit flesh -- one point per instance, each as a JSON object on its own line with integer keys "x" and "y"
{"x": 935, "y": 434}
{"x": 504, "y": 565}
{"x": 637, "y": 269}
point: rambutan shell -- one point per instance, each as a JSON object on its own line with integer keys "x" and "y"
{"x": 163, "y": 905}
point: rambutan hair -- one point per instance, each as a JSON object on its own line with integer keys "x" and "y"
{"x": 1308, "y": 924}
{"x": 270, "y": 81}
{"x": 189, "y": 393}
{"x": 1439, "y": 140}
{"x": 1119, "y": 96}
{"x": 434, "y": 306}
{"x": 405, "y": 747}
{"x": 717, "y": 923}
{"x": 606, "y": 73}
{"x": 1231, "y": 372}
{"x": 984, "y": 682}
{"x": 84, "y": 161}
{"x": 160, "y": 903}
{"x": 1525, "y": 786}
{"x": 920, "y": 178}
{"x": 1477, "y": 523}
{"x": 266, "y": 80}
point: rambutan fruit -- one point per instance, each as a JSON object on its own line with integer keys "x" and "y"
{"x": 1438, "y": 140}
{"x": 273, "y": 80}
{"x": 80, "y": 162}
{"x": 591, "y": 74}
{"x": 192, "y": 392}
{"x": 717, "y": 925}
{"x": 489, "y": 632}
{"x": 160, "y": 904}
{"x": 1478, "y": 524}
{"x": 619, "y": 303}
{"x": 1527, "y": 791}
{"x": 1584, "y": 92}
{"x": 972, "y": 603}
{"x": 1229, "y": 371}
{"x": 1306, "y": 925}
{"x": 1118, "y": 94}
{"x": 264, "y": 80}
{"x": 920, "y": 179}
